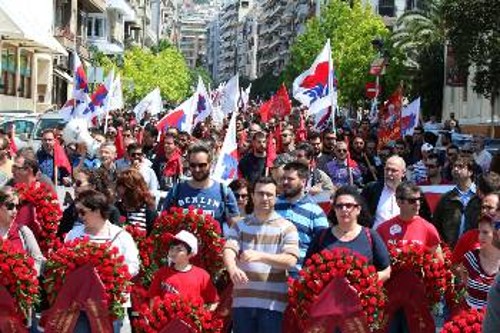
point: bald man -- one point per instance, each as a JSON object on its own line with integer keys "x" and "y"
{"x": 380, "y": 196}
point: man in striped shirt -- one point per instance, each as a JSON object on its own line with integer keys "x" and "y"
{"x": 299, "y": 208}
{"x": 259, "y": 250}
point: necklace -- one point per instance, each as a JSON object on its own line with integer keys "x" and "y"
{"x": 345, "y": 232}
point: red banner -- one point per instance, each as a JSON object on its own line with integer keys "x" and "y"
{"x": 83, "y": 291}
{"x": 390, "y": 119}
{"x": 10, "y": 322}
{"x": 178, "y": 326}
{"x": 406, "y": 292}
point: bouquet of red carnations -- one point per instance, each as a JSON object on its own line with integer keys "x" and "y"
{"x": 322, "y": 267}
{"x": 48, "y": 213}
{"x": 172, "y": 307}
{"x": 469, "y": 321}
{"x": 19, "y": 277}
{"x": 109, "y": 264}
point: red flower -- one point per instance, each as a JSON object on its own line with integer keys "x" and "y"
{"x": 469, "y": 321}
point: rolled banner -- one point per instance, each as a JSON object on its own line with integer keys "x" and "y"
{"x": 406, "y": 292}
{"x": 83, "y": 291}
{"x": 10, "y": 320}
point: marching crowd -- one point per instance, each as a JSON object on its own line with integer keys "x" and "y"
{"x": 270, "y": 215}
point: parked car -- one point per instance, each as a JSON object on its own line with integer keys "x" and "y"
{"x": 24, "y": 126}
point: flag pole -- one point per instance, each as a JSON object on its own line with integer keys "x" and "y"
{"x": 330, "y": 86}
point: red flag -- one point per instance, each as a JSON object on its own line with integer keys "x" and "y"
{"x": 281, "y": 104}
{"x": 390, "y": 118}
{"x": 60, "y": 158}
{"x": 302, "y": 131}
{"x": 270, "y": 151}
{"x": 119, "y": 144}
{"x": 350, "y": 162}
{"x": 265, "y": 110}
{"x": 279, "y": 138}
{"x": 139, "y": 135}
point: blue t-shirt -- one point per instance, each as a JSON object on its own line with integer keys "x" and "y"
{"x": 210, "y": 200}
{"x": 374, "y": 250}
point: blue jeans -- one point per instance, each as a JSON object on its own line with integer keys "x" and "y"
{"x": 255, "y": 320}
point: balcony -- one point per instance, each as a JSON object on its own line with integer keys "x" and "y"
{"x": 93, "y": 6}
{"x": 65, "y": 37}
{"x": 389, "y": 11}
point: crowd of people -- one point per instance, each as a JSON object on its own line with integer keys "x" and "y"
{"x": 270, "y": 215}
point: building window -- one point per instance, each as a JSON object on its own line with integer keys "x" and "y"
{"x": 8, "y": 86}
{"x": 25, "y": 78}
{"x": 96, "y": 27}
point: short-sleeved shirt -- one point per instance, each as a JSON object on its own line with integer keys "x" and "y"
{"x": 307, "y": 216}
{"x": 478, "y": 281}
{"x": 194, "y": 284}
{"x": 211, "y": 200}
{"x": 267, "y": 287}
{"x": 367, "y": 244}
{"x": 417, "y": 230}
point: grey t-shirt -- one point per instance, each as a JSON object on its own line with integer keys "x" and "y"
{"x": 491, "y": 323}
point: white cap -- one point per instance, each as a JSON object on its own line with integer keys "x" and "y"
{"x": 427, "y": 147}
{"x": 189, "y": 239}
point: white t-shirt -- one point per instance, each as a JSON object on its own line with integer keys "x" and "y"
{"x": 387, "y": 207}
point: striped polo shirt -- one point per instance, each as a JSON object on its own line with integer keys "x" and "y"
{"x": 307, "y": 216}
{"x": 478, "y": 282}
{"x": 267, "y": 285}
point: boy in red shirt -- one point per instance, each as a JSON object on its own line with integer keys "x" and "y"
{"x": 181, "y": 277}
{"x": 408, "y": 226}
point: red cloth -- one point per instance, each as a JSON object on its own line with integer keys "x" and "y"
{"x": 270, "y": 151}
{"x": 26, "y": 216}
{"x": 12, "y": 147}
{"x": 302, "y": 131}
{"x": 417, "y": 230}
{"x": 60, "y": 158}
{"x": 194, "y": 284}
{"x": 14, "y": 237}
{"x": 281, "y": 104}
{"x": 428, "y": 183}
{"x": 467, "y": 242}
{"x": 139, "y": 136}
{"x": 119, "y": 144}
{"x": 265, "y": 111}
{"x": 173, "y": 167}
{"x": 279, "y": 138}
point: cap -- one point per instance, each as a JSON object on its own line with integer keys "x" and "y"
{"x": 188, "y": 238}
{"x": 427, "y": 147}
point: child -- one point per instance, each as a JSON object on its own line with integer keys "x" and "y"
{"x": 182, "y": 278}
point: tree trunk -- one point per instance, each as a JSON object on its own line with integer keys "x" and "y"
{"x": 492, "y": 104}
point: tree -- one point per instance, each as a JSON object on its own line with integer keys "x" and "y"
{"x": 474, "y": 33}
{"x": 420, "y": 35}
{"x": 351, "y": 29}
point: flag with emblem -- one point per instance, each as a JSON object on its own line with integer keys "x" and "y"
{"x": 226, "y": 169}
{"x": 409, "y": 117}
{"x": 203, "y": 103}
{"x": 180, "y": 118}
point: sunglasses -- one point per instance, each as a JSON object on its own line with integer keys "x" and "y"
{"x": 412, "y": 201}
{"x": 198, "y": 165}
{"x": 348, "y": 206}
{"x": 136, "y": 154}
{"x": 10, "y": 205}
{"x": 431, "y": 166}
{"x": 240, "y": 196}
{"x": 342, "y": 150}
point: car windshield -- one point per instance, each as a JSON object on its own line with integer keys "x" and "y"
{"x": 45, "y": 123}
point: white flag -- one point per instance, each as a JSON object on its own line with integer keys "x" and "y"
{"x": 245, "y": 96}
{"x": 204, "y": 104}
{"x": 409, "y": 117}
{"x": 230, "y": 96}
{"x": 151, "y": 103}
{"x": 115, "y": 100}
{"x": 226, "y": 169}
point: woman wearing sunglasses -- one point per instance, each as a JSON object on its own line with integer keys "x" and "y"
{"x": 93, "y": 209}
{"x": 241, "y": 192}
{"x": 347, "y": 218}
{"x": 21, "y": 236}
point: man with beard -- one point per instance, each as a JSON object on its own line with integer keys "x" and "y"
{"x": 298, "y": 208}
{"x": 45, "y": 157}
{"x": 149, "y": 141}
{"x": 168, "y": 163}
{"x": 202, "y": 192}
{"x": 253, "y": 165}
{"x": 329, "y": 142}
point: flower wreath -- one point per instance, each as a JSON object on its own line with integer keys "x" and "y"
{"x": 322, "y": 267}
{"x": 435, "y": 274}
{"x": 110, "y": 266}
{"x": 165, "y": 309}
{"x": 470, "y": 321}
{"x": 47, "y": 213}
{"x": 203, "y": 226}
{"x": 19, "y": 277}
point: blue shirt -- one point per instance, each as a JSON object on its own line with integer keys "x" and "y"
{"x": 464, "y": 198}
{"x": 307, "y": 217}
{"x": 210, "y": 200}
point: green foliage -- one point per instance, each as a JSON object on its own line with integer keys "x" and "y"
{"x": 351, "y": 30}
{"x": 420, "y": 36}
{"x": 205, "y": 76}
{"x": 474, "y": 33}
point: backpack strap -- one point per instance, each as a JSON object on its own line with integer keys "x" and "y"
{"x": 322, "y": 236}
{"x": 116, "y": 236}
{"x": 224, "y": 194}
{"x": 369, "y": 236}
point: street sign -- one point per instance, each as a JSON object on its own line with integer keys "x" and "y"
{"x": 372, "y": 90}
{"x": 377, "y": 67}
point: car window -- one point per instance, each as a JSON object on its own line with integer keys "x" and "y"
{"x": 22, "y": 126}
{"x": 45, "y": 123}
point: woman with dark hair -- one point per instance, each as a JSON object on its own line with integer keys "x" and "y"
{"x": 348, "y": 218}
{"x": 20, "y": 236}
{"x": 136, "y": 204}
{"x": 241, "y": 192}
{"x": 94, "y": 210}
{"x": 85, "y": 179}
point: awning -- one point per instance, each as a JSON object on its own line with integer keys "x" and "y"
{"x": 63, "y": 75}
{"x": 16, "y": 26}
{"x": 106, "y": 47}
{"x": 122, "y": 6}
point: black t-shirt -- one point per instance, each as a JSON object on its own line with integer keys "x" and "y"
{"x": 373, "y": 249}
{"x": 252, "y": 167}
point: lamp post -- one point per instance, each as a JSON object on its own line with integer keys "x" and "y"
{"x": 377, "y": 69}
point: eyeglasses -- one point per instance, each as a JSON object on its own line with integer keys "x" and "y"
{"x": 198, "y": 165}
{"x": 342, "y": 150}
{"x": 10, "y": 205}
{"x": 17, "y": 167}
{"x": 489, "y": 208}
{"x": 136, "y": 154}
{"x": 431, "y": 166}
{"x": 347, "y": 206}
{"x": 240, "y": 196}
{"x": 459, "y": 166}
{"x": 412, "y": 201}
